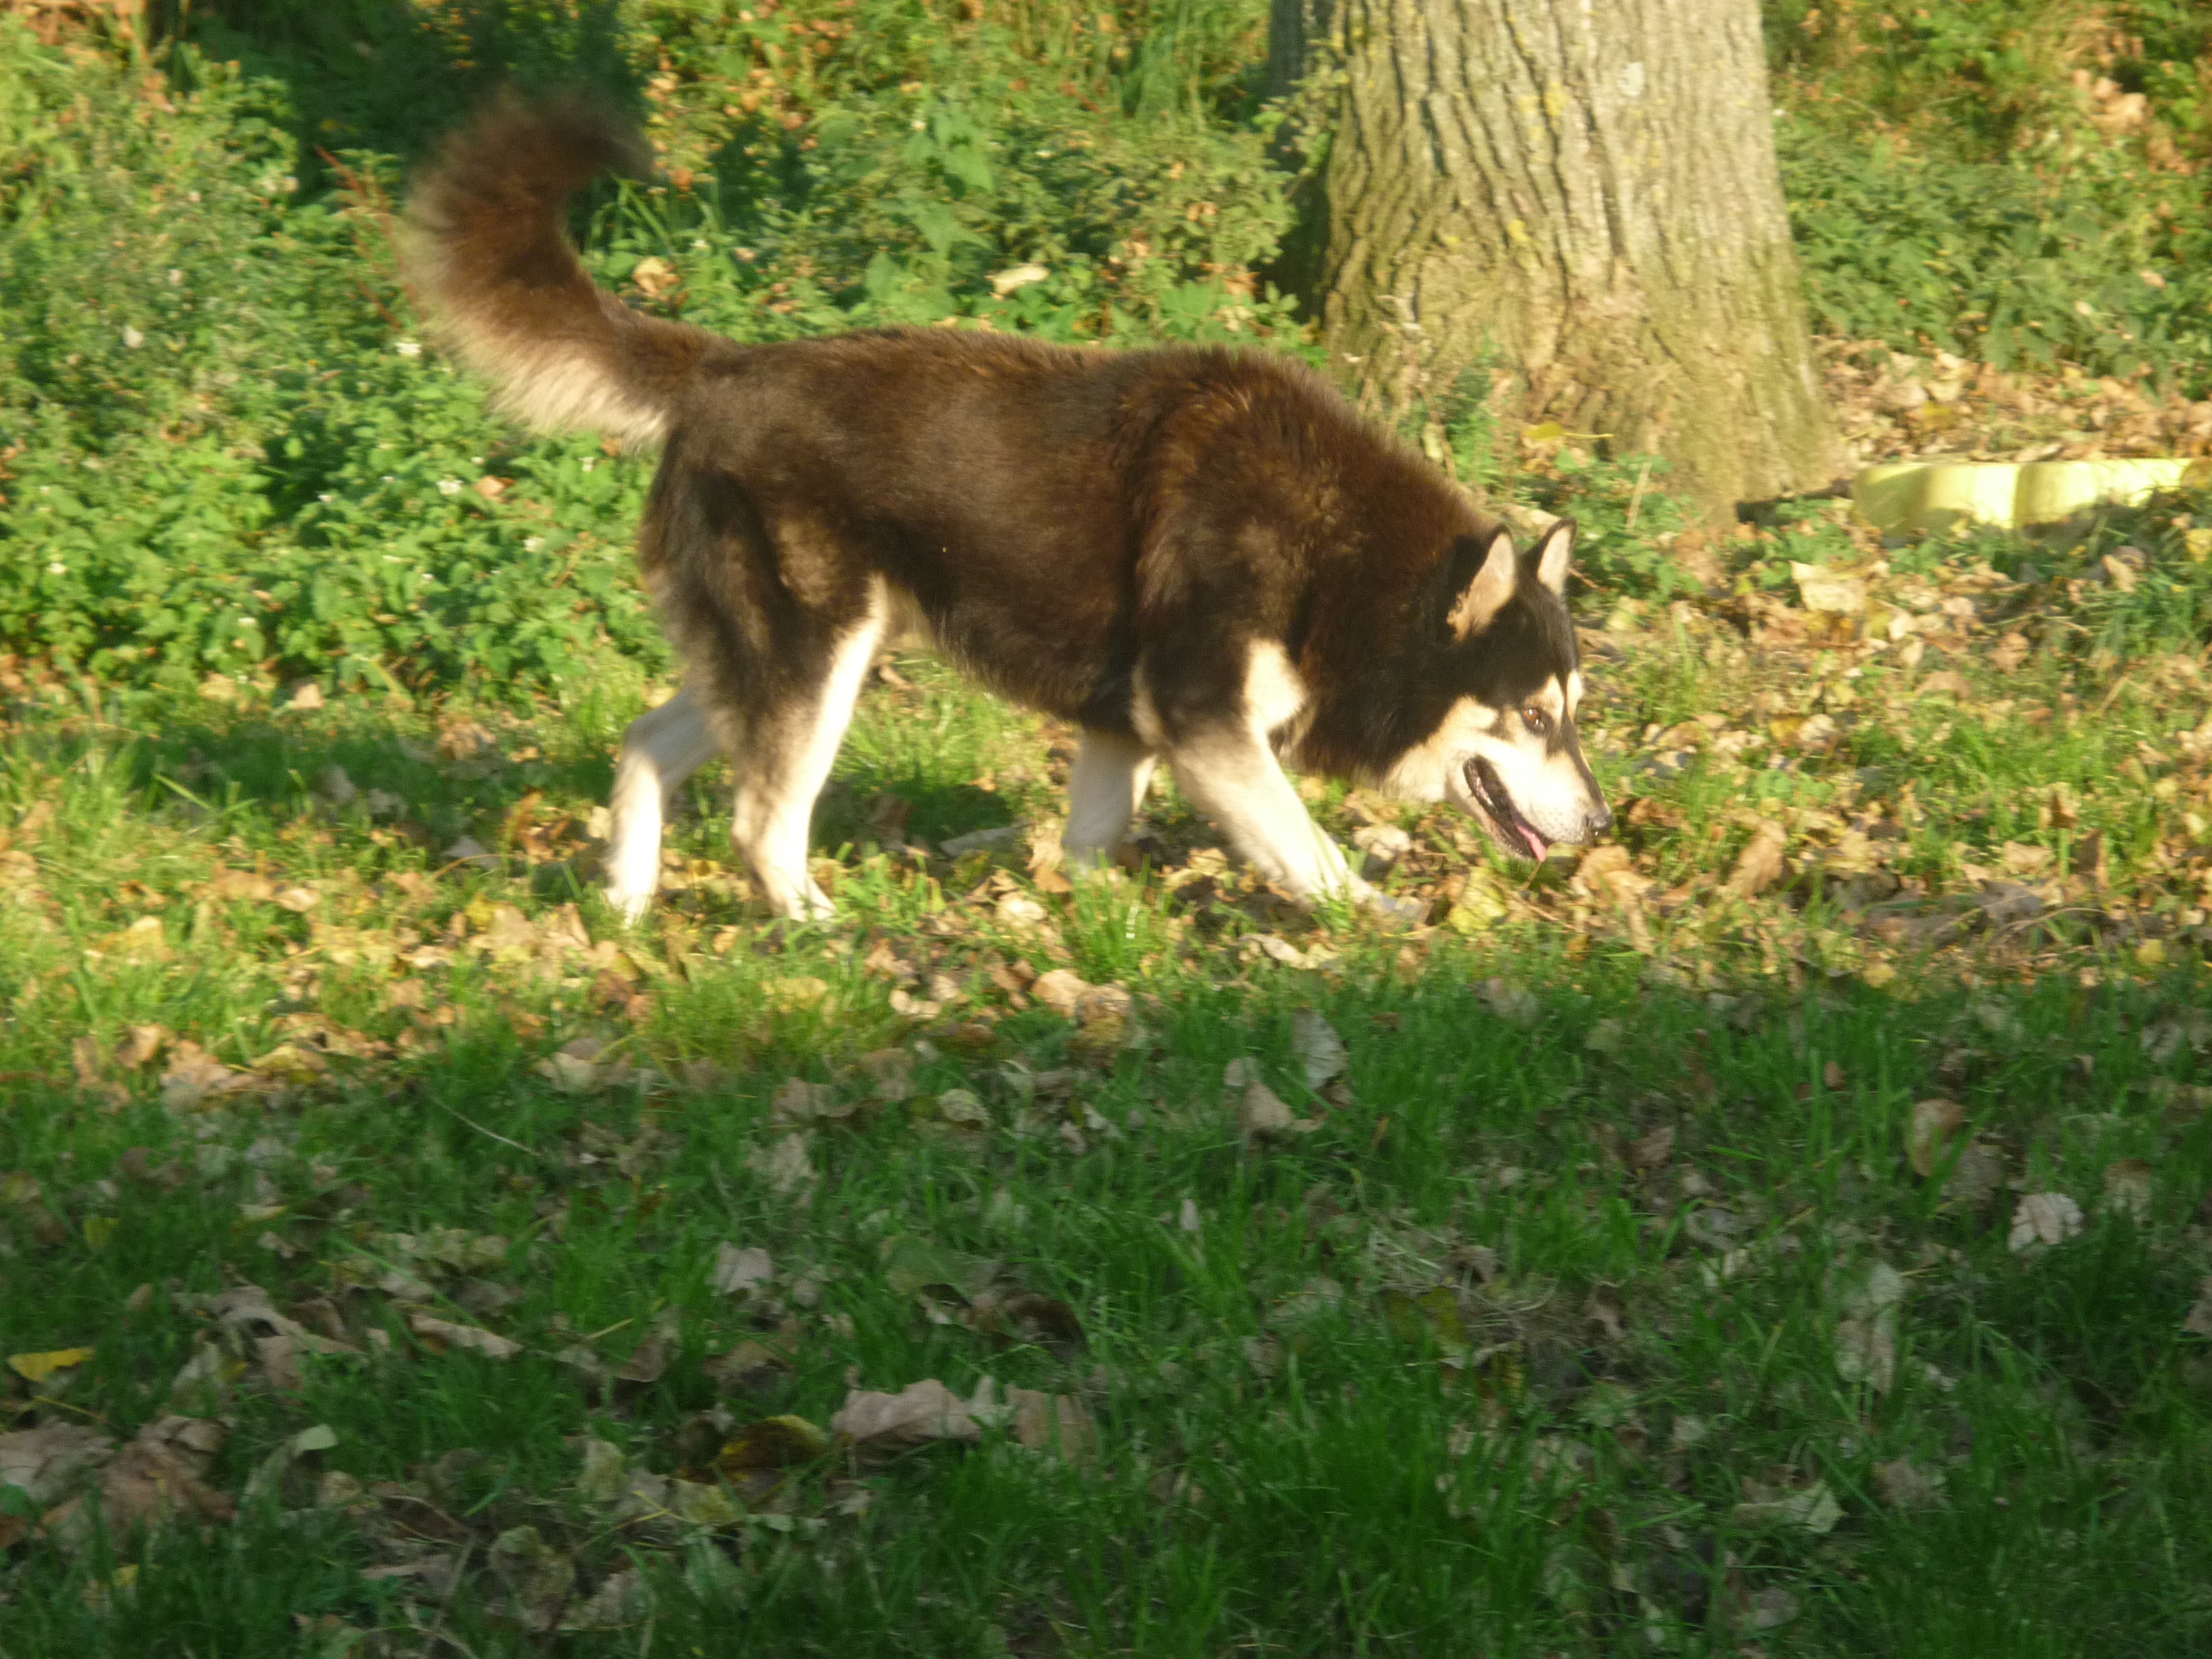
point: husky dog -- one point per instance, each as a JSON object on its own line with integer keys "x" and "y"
{"x": 1196, "y": 555}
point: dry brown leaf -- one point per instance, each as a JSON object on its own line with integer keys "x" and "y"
{"x": 539, "y": 1579}
{"x": 1978, "y": 1175}
{"x": 1905, "y": 1487}
{"x": 1811, "y": 1506}
{"x": 2198, "y": 1320}
{"x": 750, "y": 1367}
{"x": 1654, "y": 1150}
{"x": 737, "y": 1269}
{"x": 1052, "y": 1423}
{"x": 1934, "y": 1123}
{"x": 41, "y": 1462}
{"x": 1509, "y": 1002}
{"x": 624, "y": 1598}
{"x": 1318, "y": 1047}
{"x": 1060, "y": 991}
{"x": 647, "y": 1363}
{"x": 144, "y": 1044}
{"x": 156, "y": 1479}
{"x": 1262, "y": 1115}
{"x": 2126, "y": 1183}
{"x": 917, "y": 1415}
{"x": 1839, "y": 593}
{"x": 2042, "y": 1220}
{"x": 1866, "y": 1334}
{"x": 786, "y": 1164}
{"x": 1760, "y": 864}
{"x": 441, "y": 1333}
{"x": 195, "y": 1076}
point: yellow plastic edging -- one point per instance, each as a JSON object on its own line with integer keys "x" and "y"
{"x": 1937, "y": 495}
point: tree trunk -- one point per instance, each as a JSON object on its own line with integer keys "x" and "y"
{"x": 1582, "y": 193}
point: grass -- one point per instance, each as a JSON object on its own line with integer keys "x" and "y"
{"x": 1630, "y": 1286}
{"x": 1477, "y": 1365}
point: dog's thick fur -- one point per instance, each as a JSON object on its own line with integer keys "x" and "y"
{"x": 1194, "y": 555}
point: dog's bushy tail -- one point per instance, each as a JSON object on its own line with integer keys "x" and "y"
{"x": 510, "y": 298}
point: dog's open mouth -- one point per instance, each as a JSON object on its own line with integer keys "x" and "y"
{"x": 1514, "y": 830}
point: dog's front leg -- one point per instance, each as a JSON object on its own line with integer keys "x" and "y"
{"x": 663, "y": 747}
{"x": 1234, "y": 779}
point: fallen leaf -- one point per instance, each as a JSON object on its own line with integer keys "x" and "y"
{"x": 1060, "y": 991}
{"x": 917, "y": 1415}
{"x": 154, "y": 1478}
{"x": 622, "y": 1600}
{"x": 1052, "y": 1423}
{"x": 912, "y": 1265}
{"x": 737, "y": 1269}
{"x": 194, "y": 1076}
{"x": 41, "y": 1462}
{"x": 647, "y": 1362}
{"x": 1261, "y": 1116}
{"x": 1978, "y": 1176}
{"x": 442, "y": 1333}
{"x": 1905, "y": 1487}
{"x": 2042, "y": 1220}
{"x": 1028, "y": 1316}
{"x": 2196, "y": 1322}
{"x": 1318, "y": 1047}
{"x": 539, "y": 1579}
{"x": 750, "y": 1367}
{"x": 1759, "y": 865}
{"x": 1813, "y": 1508}
{"x": 37, "y": 1367}
{"x": 785, "y": 1164}
{"x": 1822, "y": 589}
{"x": 269, "y": 1475}
{"x": 144, "y": 1044}
{"x": 703, "y": 1503}
{"x": 1510, "y": 1002}
{"x": 1767, "y": 1609}
{"x": 202, "y": 1384}
{"x": 773, "y": 1443}
{"x": 1005, "y": 282}
{"x": 799, "y": 1101}
{"x": 1655, "y": 1149}
{"x": 2128, "y": 1189}
{"x": 1934, "y": 1123}
{"x": 1866, "y": 1333}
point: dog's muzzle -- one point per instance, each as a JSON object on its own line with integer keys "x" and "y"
{"x": 1514, "y": 830}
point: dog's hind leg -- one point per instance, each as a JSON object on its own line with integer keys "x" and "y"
{"x": 783, "y": 758}
{"x": 1105, "y": 788}
{"x": 663, "y": 747}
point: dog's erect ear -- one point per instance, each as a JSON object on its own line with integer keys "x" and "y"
{"x": 1552, "y": 552}
{"x": 1479, "y": 597}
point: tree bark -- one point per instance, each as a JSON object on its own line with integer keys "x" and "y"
{"x": 1582, "y": 194}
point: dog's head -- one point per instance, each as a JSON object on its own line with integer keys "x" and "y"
{"x": 1506, "y": 752}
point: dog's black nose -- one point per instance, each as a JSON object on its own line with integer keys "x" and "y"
{"x": 1600, "y": 820}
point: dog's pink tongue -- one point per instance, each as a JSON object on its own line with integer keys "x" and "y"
{"x": 1537, "y": 844}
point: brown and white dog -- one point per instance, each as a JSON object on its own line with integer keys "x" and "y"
{"x": 1197, "y": 556}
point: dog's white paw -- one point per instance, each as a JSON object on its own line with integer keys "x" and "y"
{"x": 629, "y": 903}
{"x": 811, "y": 904}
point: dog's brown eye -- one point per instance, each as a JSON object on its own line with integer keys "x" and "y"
{"x": 1535, "y": 719}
